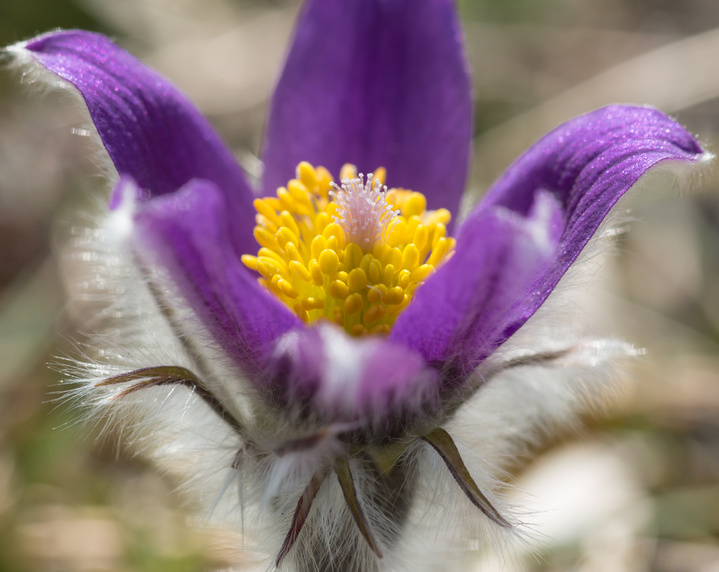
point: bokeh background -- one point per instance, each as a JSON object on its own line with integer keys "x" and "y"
{"x": 637, "y": 490}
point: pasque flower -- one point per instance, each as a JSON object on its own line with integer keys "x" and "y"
{"x": 354, "y": 358}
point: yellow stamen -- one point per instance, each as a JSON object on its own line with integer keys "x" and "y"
{"x": 353, "y": 254}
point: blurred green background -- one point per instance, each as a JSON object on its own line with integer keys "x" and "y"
{"x": 638, "y": 490}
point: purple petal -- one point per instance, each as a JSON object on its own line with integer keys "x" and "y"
{"x": 588, "y": 164}
{"x": 461, "y": 314}
{"x": 553, "y": 198}
{"x": 150, "y": 130}
{"x": 375, "y": 83}
{"x": 590, "y": 161}
{"x": 186, "y": 232}
{"x": 358, "y": 381}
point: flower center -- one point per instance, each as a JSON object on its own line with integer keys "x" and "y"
{"x": 353, "y": 254}
{"x": 364, "y": 213}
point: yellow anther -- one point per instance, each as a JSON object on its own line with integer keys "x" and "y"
{"x": 289, "y": 221}
{"x": 374, "y": 313}
{"x": 273, "y": 202}
{"x": 300, "y": 270}
{"x": 339, "y": 289}
{"x": 393, "y": 311}
{"x": 299, "y": 192}
{"x": 319, "y": 243}
{"x": 440, "y": 231}
{"x": 357, "y": 280}
{"x": 265, "y": 238}
{"x": 377, "y": 294}
{"x": 380, "y": 174}
{"x": 399, "y": 234}
{"x": 301, "y": 312}
{"x": 365, "y": 262}
{"x": 329, "y": 262}
{"x": 358, "y": 330}
{"x": 293, "y": 252}
{"x": 393, "y": 257}
{"x": 443, "y": 246}
{"x": 394, "y": 296}
{"x": 285, "y": 235}
{"x": 333, "y": 243}
{"x": 440, "y": 216}
{"x": 262, "y": 206}
{"x": 353, "y": 303}
{"x": 380, "y": 330}
{"x": 412, "y": 223}
{"x": 286, "y": 199}
{"x": 353, "y": 256}
{"x": 421, "y": 237}
{"x": 268, "y": 267}
{"x": 415, "y": 205}
{"x": 410, "y": 257}
{"x": 324, "y": 178}
{"x": 271, "y": 254}
{"x": 308, "y": 261}
{"x": 321, "y": 222}
{"x": 287, "y": 288}
{"x": 405, "y": 300}
{"x": 348, "y": 171}
{"x": 333, "y": 229}
{"x": 388, "y": 275}
{"x": 332, "y": 211}
{"x": 249, "y": 261}
{"x": 379, "y": 250}
{"x": 265, "y": 222}
{"x": 312, "y": 304}
{"x": 315, "y": 272}
{"x": 421, "y": 272}
{"x": 398, "y": 197}
{"x": 306, "y": 173}
{"x": 375, "y": 271}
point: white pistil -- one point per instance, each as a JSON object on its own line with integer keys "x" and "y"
{"x": 363, "y": 211}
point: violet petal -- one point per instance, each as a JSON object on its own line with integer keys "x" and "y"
{"x": 359, "y": 381}
{"x": 186, "y": 232}
{"x": 557, "y": 194}
{"x": 588, "y": 164}
{"x": 461, "y": 313}
{"x": 150, "y": 130}
{"x": 375, "y": 83}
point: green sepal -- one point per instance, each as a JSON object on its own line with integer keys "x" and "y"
{"x": 344, "y": 476}
{"x": 301, "y": 513}
{"x": 171, "y": 375}
{"x": 387, "y": 456}
{"x": 441, "y": 442}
